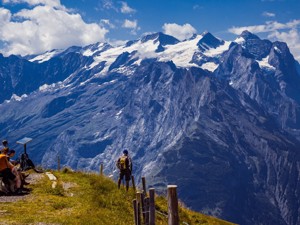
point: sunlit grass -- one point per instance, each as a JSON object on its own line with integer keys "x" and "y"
{"x": 82, "y": 198}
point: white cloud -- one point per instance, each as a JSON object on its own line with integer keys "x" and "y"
{"x": 53, "y": 3}
{"x": 287, "y": 32}
{"x": 5, "y": 16}
{"x": 106, "y": 22}
{"x": 180, "y": 32}
{"x": 268, "y": 14}
{"x": 45, "y": 27}
{"x": 268, "y": 27}
{"x": 131, "y": 24}
{"x": 126, "y": 9}
{"x": 107, "y": 4}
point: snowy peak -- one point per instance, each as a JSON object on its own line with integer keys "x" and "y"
{"x": 209, "y": 41}
{"x": 43, "y": 57}
{"x": 95, "y": 49}
{"x": 162, "y": 38}
{"x": 259, "y": 49}
{"x": 248, "y": 35}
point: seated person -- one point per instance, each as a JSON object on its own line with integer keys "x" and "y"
{"x": 9, "y": 172}
{"x": 6, "y": 170}
{"x": 11, "y": 153}
{"x": 20, "y": 179}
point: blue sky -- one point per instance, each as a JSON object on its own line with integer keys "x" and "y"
{"x": 35, "y": 26}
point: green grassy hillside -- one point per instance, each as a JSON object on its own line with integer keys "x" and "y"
{"x": 86, "y": 199}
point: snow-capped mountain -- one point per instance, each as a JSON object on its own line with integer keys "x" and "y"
{"x": 220, "y": 119}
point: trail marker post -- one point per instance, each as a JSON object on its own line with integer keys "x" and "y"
{"x": 173, "y": 215}
{"x": 24, "y": 142}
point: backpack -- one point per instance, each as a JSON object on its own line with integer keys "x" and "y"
{"x": 122, "y": 163}
{"x": 25, "y": 162}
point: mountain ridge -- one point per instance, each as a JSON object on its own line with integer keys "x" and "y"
{"x": 222, "y": 119}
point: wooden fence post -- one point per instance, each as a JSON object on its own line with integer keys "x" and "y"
{"x": 101, "y": 169}
{"x": 133, "y": 183}
{"x": 58, "y": 163}
{"x": 134, "y": 202}
{"x": 173, "y": 216}
{"x": 144, "y": 186}
{"x": 143, "y": 206}
{"x": 138, "y": 199}
{"x": 152, "y": 206}
{"x": 146, "y": 208}
{"x": 135, "y": 211}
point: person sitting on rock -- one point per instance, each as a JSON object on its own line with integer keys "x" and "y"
{"x": 20, "y": 177}
{"x": 9, "y": 179}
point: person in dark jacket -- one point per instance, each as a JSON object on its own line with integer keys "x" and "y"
{"x": 124, "y": 164}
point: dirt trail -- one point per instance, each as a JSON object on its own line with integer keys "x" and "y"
{"x": 32, "y": 179}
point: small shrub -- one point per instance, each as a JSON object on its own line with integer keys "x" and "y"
{"x": 67, "y": 170}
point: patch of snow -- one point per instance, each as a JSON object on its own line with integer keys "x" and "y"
{"x": 144, "y": 50}
{"x": 239, "y": 40}
{"x": 181, "y": 53}
{"x": 51, "y": 87}
{"x": 213, "y": 52}
{"x": 125, "y": 70}
{"x": 106, "y": 83}
{"x": 46, "y": 87}
{"x": 277, "y": 49}
{"x": 15, "y": 97}
{"x": 265, "y": 64}
{"x": 96, "y": 134}
{"x": 89, "y": 52}
{"x": 118, "y": 114}
{"x": 210, "y": 66}
{"x": 45, "y": 57}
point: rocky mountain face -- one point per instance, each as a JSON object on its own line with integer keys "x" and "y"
{"x": 219, "y": 119}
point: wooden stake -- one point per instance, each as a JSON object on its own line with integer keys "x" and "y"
{"x": 144, "y": 186}
{"x": 101, "y": 169}
{"x": 134, "y": 202}
{"x": 138, "y": 199}
{"x": 58, "y": 163}
{"x": 147, "y": 213}
{"x": 139, "y": 220}
{"x": 143, "y": 206}
{"x": 173, "y": 216}
{"x": 151, "y": 206}
{"x": 133, "y": 183}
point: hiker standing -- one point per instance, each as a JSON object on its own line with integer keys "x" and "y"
{"x": 124, "y": 164}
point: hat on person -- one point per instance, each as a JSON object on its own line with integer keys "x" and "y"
{"x": 4, "y": 142}
{"x": 125, "y": 152}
